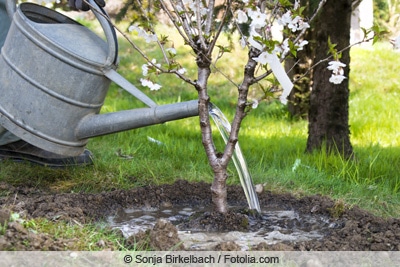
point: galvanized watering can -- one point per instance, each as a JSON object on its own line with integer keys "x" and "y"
{"x": 54, "y": 76}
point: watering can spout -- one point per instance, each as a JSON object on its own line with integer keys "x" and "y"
{"x": 102, "y": 124}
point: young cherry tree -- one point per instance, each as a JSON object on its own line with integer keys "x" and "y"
{"x": 201, "y": 26}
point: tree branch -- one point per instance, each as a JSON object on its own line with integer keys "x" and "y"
{"x": 185, "y": 35}
{"x": 220, "y": 28}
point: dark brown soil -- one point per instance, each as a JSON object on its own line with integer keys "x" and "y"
{"x": 355, "y": 229}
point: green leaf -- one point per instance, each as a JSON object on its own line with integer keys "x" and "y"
{"x": 270, "y": 44}
{"x": 268, "y": 94}
{"x": 293, "y": 48}
{"x": 224, "y": 49}
{"x": 365, "y": 32}
{"x": 299, "y": 11}
{"x": 163, "y": 38}
{"x": 332, "y": 48}
{"x": 285, "y": 3}
{"x": 174, "y": 65}
{"x": 375, "y": 39}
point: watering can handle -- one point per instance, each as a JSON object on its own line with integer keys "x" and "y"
{"x": 109, "y": 32}
{"x": 101, "y": 16}
{"x": 11, "y": 8}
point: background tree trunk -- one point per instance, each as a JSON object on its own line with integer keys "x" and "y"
{"x": 299, "y": 69}
{"x": 329, "y": 108}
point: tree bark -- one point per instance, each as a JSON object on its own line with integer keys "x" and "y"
{"x": 329, "y": 110}
{"x": 298, "y": 104}
{"x": 299, "y": 69}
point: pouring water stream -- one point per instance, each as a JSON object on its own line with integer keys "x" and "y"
{"x": 224, "y": 128}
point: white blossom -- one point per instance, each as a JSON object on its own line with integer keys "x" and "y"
{"x": 145, "y": 82}
{"x": 241, "y": 17}
{"x": 263, "y": 58}
{"x": 335, "y": 65}
{"x": 145, "y": 70}
{"x": 294, "y": 24}
{"x": 182, "y": 71}
{"x": 337, "y": 71}
{"x": 150, "y": 84}
{"x": 154, "y": 61}
{"x": 193, "y": 7}
{"x": 148, "y": 37}
{"x": 301, "y": 24}
{"x": 296, "y": 5}
{"x": 282, "y": 48}
{"x": 145, "y": 67}
{"x": 135, "y": 28}
{"x": 171, "y": 50}
{"x": 336, "y": 79}
{"x": 301, "y": 45}
{"x": 258, "y": 19}
{"x": 285, "y": 19}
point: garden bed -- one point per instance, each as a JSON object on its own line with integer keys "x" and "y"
{"x": 351, "y": 228}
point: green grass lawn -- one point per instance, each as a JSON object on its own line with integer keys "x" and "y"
{"x": 273, "y": 143}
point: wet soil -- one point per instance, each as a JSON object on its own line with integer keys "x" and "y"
{"x": 354, "y": 229}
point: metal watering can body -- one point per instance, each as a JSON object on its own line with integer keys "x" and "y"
{"x": 54, "y": 77}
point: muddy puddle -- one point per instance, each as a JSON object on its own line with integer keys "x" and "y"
{"x": 272, "y": 227}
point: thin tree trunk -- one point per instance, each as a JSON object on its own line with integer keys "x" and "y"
{"x": 218, "y": 165}
{"x": 329, "y": 109}
{"x": 219, "y": 191}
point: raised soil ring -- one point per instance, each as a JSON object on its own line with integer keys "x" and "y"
{"x": 178, "y": 216}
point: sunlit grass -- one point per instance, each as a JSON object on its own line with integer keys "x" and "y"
{"x": 374, "y": 105}
{"x": 74, "y": 236}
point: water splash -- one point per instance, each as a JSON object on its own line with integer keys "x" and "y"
{"x": 246, "y": 181}
{"x": 271, "y": 227}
